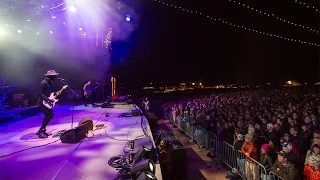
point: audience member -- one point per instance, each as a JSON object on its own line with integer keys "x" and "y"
{"x": 266, "y": 116}
{"x": 312, "y": 170}
{"x": 284, "y": 168}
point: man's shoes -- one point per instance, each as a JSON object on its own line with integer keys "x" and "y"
{"x": 42, "y": 134}
{"x": 48, "y": 134}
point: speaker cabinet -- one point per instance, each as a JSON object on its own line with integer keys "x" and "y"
{"x": 87, "y": 121}
{"x": 178, "y": 156}
{"x": 74, "y": 136}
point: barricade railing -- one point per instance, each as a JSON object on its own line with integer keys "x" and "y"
{"x": 225, "y": 152}
{"x": 274, "y": 176}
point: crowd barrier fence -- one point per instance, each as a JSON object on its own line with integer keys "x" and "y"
{"x": 273, "y": 176}
{"x": 223, "y": 152}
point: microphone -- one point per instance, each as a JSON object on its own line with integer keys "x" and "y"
{"x": 61, "y": 79}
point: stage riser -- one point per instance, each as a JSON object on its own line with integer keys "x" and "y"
{"x": 20, "y": 112}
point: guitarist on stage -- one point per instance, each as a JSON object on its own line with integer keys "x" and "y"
{"x": 87, "y": 92}
{"x": 45, "y": 90}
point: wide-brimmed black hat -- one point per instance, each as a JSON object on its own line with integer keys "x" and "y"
{"x": 51, "y": 73}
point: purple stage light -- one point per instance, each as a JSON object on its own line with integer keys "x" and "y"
{"x": 51, "y": 32}
{"x": 53, "y": 17}
{"x": 72, "y": 9}
{"x": 128, "y": 18}
{"x": 80, "y": 29}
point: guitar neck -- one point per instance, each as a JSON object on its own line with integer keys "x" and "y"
{"x": 60, "y": 91}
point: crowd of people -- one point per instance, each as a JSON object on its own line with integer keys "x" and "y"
{"x": 279, "y": 128}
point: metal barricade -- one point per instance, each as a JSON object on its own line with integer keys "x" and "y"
{"x": 244, "y": 166}
{"x": 274, "y": 176}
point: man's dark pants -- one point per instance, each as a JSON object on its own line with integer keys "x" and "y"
{"x": 48, "y": 115}
{"x": 87, "y": 99}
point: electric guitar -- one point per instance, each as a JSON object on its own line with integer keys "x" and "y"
{"x": 50, "y": 105}
{"x": 87, "y": 93}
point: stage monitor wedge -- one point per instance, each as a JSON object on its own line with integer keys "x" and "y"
{"x": 73, "y": 136}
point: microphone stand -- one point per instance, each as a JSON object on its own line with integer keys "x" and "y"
{"x": 74, "y": 99}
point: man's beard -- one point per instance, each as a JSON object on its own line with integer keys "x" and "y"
{"x": 52, "y": 78}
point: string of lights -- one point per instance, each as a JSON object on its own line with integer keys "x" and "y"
{"x": 275, "y": 16}
{"x": 235, "y": 25}
{"x": 307, "y": 6}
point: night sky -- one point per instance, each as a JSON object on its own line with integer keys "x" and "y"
{"x": 171, "y": 45}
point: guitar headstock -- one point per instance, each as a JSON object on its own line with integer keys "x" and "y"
{"x": 65, "y": 86}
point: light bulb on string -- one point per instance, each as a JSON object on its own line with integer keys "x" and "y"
{"x": 238, "y": 26}
{"x": 307, "y": 6}
{"x": 275, "y": 16}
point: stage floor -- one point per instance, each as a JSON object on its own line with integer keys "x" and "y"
{"x": 87, "y": 160}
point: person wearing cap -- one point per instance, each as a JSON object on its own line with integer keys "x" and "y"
{"x": 312, "y": 170}
{"x": 287, "y": 148}
{"x": 266, "y": 161}
{"x": 284, "y": 168}
{"x": 293, "y": 148}
{"x": 44, "y": 92}
{"x": 250, "y": 151}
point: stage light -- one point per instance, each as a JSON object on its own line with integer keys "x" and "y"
{"x": 53, "y": 17}
{"x": 19, "y": 31}
{"x": 37, "y": 33}
{"x": 146, "y": 176}
{"x": 64, "y": 23}
{"x": 128, "y": 18}
{"x": 51, "y": 32}
{"x": 80, "y": 29}
{"x": 2, "y": 33}
{"x": 72, "y": 9}
{"x": 28, "y": 20}
{"x": 144, "y": 165}
{"x": 142, "y": 153}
